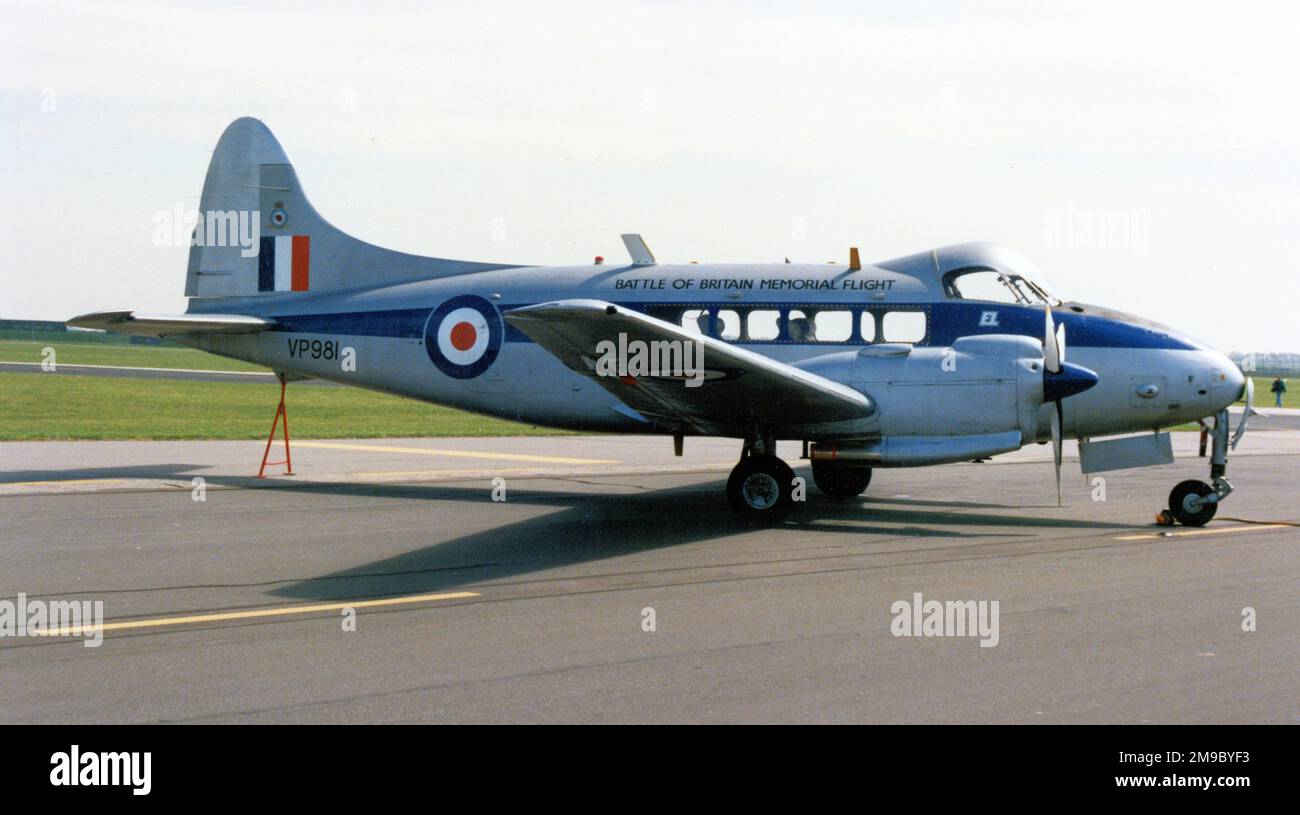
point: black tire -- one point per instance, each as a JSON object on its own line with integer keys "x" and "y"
{"x": 839, "y": 481}
{"x": 1203, "y": 513}
{"x": 761, "y": 489}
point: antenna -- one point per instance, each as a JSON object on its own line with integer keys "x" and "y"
{"x": 636, "y": 247}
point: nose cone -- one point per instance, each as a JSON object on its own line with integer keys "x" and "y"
{"x": 1071, "y": 379}
{"x": 1227, "y": 384}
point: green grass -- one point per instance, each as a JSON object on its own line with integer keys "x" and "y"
{"x": 49, "y": 406}
{"x": 133, "y": 356}
{"x": 95, "y": 337}
{"x": 1264, "y": 397}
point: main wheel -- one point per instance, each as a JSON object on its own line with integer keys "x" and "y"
{"x": 761, "y": 489}
{"x": 839, "y": 481}
{"x": 1181, "y": 508}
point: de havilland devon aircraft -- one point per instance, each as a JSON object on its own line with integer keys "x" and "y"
{"x": 949, "y": 355}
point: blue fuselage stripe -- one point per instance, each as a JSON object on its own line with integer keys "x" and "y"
{"x": 947, "y": 321}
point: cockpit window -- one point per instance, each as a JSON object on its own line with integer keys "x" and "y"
{"x": 997, "y": 287}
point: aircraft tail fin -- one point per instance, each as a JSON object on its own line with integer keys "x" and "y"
{"x": 259, "y": 237}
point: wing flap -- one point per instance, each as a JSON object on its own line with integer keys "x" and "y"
{"x": 740, "y": 390}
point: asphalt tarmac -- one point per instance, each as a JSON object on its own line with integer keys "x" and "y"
{"x": 239, "y": 607}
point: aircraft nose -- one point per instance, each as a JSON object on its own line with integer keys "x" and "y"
{"x": 1228, "y": 381}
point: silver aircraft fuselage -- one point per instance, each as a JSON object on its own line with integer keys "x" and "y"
{"x": 388, "y": 329}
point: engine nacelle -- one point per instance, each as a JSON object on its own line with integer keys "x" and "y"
{"x": 981, "y": 386}
{"x": 914, "y": 451}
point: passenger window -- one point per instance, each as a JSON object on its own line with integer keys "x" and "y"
{"x": 799, "y": 328}
{"x": 833, "y": 326}
{"x": 696, "y": 321}
{"x": 729, "y": 322}
{"x": 763, "y": 324}
{"x": 868, "y": 327}
{"x": 903, "y": 326}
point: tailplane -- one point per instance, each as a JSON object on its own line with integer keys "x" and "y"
{"x": 166, "y": 325}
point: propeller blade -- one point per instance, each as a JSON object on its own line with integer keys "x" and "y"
{"x": 1060, "y": 379}
{"x": 1058, "y": 419}
{"x": 1247, "y": 413}
{"x": 1051, "y": 348}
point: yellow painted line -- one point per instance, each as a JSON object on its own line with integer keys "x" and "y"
{"x": 429, "y": 451}
{"x": 437, "y": 474}
{"x": 68, "y": 481}
{"x": 197, "y": 619}
{"x": 1219, "y": 530}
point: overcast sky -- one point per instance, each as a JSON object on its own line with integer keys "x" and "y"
{"x": 537, "y": 132}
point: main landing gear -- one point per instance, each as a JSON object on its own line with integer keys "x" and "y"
{"x": 841, "y": 481}
{"x": 1192, "y": 502}
{"x": 762, "y": 487}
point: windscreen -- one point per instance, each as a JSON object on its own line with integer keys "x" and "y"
{"x": 996, "y": 286}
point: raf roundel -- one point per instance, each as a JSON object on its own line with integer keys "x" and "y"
{"x": 463, "y": 336}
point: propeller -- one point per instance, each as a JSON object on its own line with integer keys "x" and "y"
{"x": 1053, "y": 343}
{"x": 1060, "y": 379}
{"x": 1247, "y": 413}
{"x": 1057, "y": 420}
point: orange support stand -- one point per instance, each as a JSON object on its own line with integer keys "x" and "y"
{"x": 280, "y": 412}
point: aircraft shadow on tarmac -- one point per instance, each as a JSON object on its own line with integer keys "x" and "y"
{"x": 170, "y": 472}
{"x": 588, "y": 526}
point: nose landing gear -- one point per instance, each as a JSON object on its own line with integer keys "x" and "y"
{"x": 1194, "y": 503}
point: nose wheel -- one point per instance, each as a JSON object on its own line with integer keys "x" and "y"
{"x": 1188, "y": 504}
{"x": 761, "y": 489}
{"x": 1194, "y": 503}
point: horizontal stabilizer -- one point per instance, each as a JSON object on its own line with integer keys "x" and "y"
{"x": 162, "y": 325}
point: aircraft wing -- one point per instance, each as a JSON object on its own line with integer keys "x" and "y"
{"x": 740, "y": 389}
{"x": 161, "y": 325}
